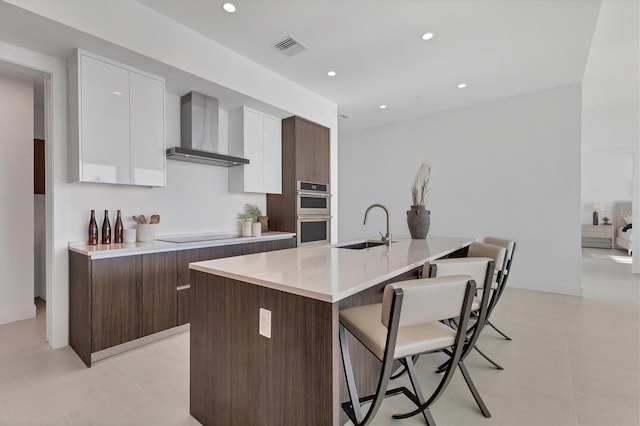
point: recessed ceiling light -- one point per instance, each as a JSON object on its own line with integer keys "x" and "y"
{"x": 117, "y": 93}
{"x": 462, "y": 85}
{"x": 331, "y": 73}
{"x": 229, "y": 7}
{"x": 383, "y": 106}
{"x": 427, "y": 36}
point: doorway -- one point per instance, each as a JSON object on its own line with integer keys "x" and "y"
{"x": 24, "y": 213}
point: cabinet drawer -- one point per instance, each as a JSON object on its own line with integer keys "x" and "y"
{"x": 597, "y": 232}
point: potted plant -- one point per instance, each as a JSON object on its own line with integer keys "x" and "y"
{"x": 418, "y": 218}
{"x": 605, "y": 221}
{"x": 252, "y": 213}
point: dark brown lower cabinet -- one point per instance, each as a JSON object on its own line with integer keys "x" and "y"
{"x": 159, "y": 298}
{"x": 120, "y": 299}
{"x": 116, "y": 312}
{"x": 184, "y": 306}
{"x": 184, "y": 258}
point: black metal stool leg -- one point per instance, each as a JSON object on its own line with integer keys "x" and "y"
{"x": 442, "y": 367}
{"x": 495, "y": 364}
{"x": 501, "y": 333}
{"x": 413, "y": 377}
{"x": 403, "y": 369}
{"x": 474, "y": 391}
{"x": 355, "y": 412}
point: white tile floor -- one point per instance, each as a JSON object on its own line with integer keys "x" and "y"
{"x": 573, "y": 361}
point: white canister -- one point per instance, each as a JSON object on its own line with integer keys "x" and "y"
{"x": 146, "y": 232}
{"x": 246, "y": 228}
{"x": 256, "y": 229}
{"x": 129, "y": 235}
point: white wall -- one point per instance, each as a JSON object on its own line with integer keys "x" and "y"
{"x": 16, "y": 193}
{"x": 38, "y": 123}
{"x": 509, "y": 168}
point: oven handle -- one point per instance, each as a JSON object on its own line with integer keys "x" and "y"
{"x": 313, "y": 217}
{"x": 314, "y": 194}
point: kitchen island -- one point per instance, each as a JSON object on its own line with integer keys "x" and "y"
{"x": 264, "y": 328}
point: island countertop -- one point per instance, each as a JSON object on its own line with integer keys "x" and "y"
{"x": 329, "y": 273}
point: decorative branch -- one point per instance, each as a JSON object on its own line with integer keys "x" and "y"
{"x": 420, "y": 187}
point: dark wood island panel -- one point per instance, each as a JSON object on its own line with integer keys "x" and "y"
{"x": 240, "y": 377}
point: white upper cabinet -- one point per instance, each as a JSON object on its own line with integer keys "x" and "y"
{"x": 272, "y": 155}
{"x": 257, "y": 137}
{"x": 148, "y": 155}
{"x": 116, "y": 123}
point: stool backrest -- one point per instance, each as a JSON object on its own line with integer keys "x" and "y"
{"x": 476, "y": 267}
{"x": 426, "y": 300}
{"x": 509, "y": 245}
{"x": 497, "y": 253}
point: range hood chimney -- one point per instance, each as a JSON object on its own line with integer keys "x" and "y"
{"x": 199, "y": 133}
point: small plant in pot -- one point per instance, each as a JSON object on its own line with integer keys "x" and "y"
{"x": 250, "y": 212}
{"x": 253, "y": 213}
{"x": 418, "y": 218}
{"x": 605, "y": 221}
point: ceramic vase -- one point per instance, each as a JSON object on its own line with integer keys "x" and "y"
{"x": 264, "y": 221}
{"x": 418, "y": 220}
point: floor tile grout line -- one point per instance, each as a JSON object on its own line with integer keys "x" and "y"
{"x": 106, "y": 397}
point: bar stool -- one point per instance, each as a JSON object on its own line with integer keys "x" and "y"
{"x": 510, "y": 246}
{"x": 499, "y": 255}
{"x": 482, "y": 271}
{"x": 406, "y": 323}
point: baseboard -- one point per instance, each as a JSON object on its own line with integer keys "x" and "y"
{"x": 557, "y": 288}
{"x": 8, "y": 315}
{"x": 127, "y": 346}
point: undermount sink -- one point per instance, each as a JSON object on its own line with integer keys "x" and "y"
{"x": 363, "y": 245}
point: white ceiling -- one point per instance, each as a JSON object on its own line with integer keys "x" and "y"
{"x": 500, "y": 48}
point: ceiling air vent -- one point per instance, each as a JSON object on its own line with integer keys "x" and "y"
{"x": 290, "y": 46}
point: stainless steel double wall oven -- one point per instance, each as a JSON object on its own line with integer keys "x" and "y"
{"x": 313, "y": 212}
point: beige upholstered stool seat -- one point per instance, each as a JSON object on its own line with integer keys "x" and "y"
{"x": 411, "y": 340}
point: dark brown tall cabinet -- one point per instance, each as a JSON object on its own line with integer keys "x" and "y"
{"x": 305, "y": 157}
{"x": 311, "y": 144}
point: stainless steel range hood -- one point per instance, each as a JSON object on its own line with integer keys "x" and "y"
{"x": 199, "y": 133}
{"x": 204, "y": 157}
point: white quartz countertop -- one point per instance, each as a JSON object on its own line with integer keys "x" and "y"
{"x": 102, "y": 251}
{"x": 329, "y": 273}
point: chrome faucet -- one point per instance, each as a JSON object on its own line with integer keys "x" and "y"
{"x": 384, "y": 238}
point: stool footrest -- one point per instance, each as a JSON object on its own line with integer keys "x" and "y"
{"x": 348, "y": 407}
